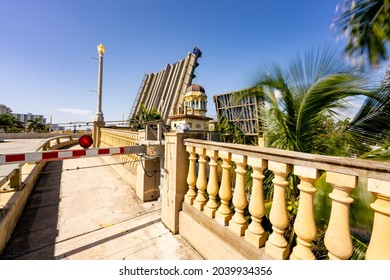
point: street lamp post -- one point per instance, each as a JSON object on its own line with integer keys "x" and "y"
{"x": 99, "y": 119}
{"x": 99, "y": 114}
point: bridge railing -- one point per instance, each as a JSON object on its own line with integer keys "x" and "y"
{"x": 144, "y": 167}
{"x": 12, "y": 173}
{"x": 216, "y": 186}
{"x": 121, "y": 137}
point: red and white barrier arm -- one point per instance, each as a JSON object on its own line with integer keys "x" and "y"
{"x": 68, "y": 154}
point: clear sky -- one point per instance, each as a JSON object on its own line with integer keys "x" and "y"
{"x": 47, "y": 47}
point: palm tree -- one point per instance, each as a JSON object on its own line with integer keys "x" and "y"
{"x": 34, "y": 125}
{"x": 9, "y": 123}
{"x": 298, "y": 97}
{"x": 230, "y": 133}
{"x": 367, "y": 25}
{"x": 302, "y": 101}
{"x": 372, "y": 121}
{"x": 143, "y": 116}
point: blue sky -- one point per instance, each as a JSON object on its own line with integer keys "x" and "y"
{"x": 47, "y": 47}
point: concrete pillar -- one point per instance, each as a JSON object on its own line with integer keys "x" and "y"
{"x": 96, "y": 134}
{"x": 175, "y": 179}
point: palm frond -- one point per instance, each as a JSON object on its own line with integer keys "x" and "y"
{"x": 313, "y": 84}
{"x": 373, "y": 120}
{"x": 366, "y": 23}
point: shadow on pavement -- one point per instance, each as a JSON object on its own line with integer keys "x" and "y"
{"x": 36, "y": 231}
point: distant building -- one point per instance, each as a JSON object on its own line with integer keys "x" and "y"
{"x": 56, "y": 127}
{"x": 164, "y": 91}
{"x": 4, "y": 110}
{"x": 194, "y": 111}
{"x": 243, "y": 112}
{"x": 26, "y": 117}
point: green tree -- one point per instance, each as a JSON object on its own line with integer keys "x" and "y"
{"x": 230, "y": 133}
{"x": 10, "y": 124}
{"x": 35, "y": 125}
{"x": 143, "y": 116}
{"x": 302, "y": 101}
{"x": 300, "y": 97}
{"x": 372, "y": 121}
{"x": 366, "y": 23}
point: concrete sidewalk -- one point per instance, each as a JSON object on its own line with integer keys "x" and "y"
{"x": 82, "y": 209}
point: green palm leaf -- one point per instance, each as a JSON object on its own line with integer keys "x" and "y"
{"x": 367, "y": 25}
{"x": 314, "y": 84}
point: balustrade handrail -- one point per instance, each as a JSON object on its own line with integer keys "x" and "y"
{"x": 349, "y": 166}
{"x": 14, "y": 168}
{"x": 342, "y": 175}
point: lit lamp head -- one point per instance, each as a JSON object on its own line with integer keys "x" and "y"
{"x": 101, "y": 49}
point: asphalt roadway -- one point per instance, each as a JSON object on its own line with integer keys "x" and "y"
{"x": 82, "y": 209}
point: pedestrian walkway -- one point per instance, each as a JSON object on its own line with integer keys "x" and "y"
{"x": 82, "y": 209}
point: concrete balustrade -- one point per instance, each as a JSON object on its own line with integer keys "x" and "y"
{"x": 212, "y": 184}
{"x": 224, "y": 214}
{"x": 305, "y": 224}
{"x": 145, "y": 169}
{"x": 235, "y": 201}
{"x": 255, "y": 234}
{"x": 191, "y": 177}
{"x": 207, "y": 198}
{"x": 338, "y": 236}
{"x": 201, "y": 181}
{"x": 238, "y": 224}
{"x": 115, "y": 138}
{"x": 277, "y": 246}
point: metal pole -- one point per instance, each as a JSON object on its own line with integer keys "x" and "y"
{"x": 99, "y": 114}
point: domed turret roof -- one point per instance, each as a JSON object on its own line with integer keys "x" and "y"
{"x": 195, "y": 87}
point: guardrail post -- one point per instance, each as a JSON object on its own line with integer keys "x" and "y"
{"x": 16, "y": 180}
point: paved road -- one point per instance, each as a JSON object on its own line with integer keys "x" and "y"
{"x": 20, "y": 145}
{"x": 82, "y": 210}
{"x": 14, "y": 146}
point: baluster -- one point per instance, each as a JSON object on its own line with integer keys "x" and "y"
{"x": 238, "y": 224}
{"x": 212, "y": 186}
{"x": 338, "y": 236}
{"x": 191, "y": 177}
{"x": 255, "y": 234}
{"x": 305, "y": 224}
{"x": 276, "y": 246}
{"x": 224, "y": 214}
{"x": 201, "y": 182}
{"x": 379, "y": 246}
